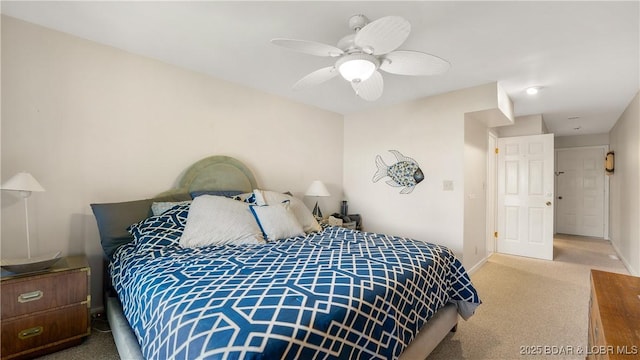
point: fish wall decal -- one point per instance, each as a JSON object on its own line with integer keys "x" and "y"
{"x": 404, "y": 173}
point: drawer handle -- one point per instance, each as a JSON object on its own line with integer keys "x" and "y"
{"x": 31, "y": 332}
{"x": 30, "y": 296}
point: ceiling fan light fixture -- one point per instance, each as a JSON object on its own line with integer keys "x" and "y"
{"x": 373, "y": 46}
{"x": 357, "y": 67}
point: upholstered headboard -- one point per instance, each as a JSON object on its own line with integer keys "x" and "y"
{"x": 214, "y": 173}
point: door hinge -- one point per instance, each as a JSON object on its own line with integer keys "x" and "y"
{"x": 497, "y": 151}
{"x": 495, "y": 234}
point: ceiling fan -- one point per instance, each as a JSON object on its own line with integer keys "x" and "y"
{"x": 360, "y": 55}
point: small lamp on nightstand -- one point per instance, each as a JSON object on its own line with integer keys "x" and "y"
{"x": 25, "y": 184}
{"x": 317, "y": 189}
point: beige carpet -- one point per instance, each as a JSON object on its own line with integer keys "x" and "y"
{"x": 98, "y": 346}
{"x": 529, "y": 303}
{"x": 526, "y": 302}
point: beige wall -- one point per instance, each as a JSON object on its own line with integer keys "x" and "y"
{"x": 581, "y": 140}
{"x": 624, "y": 222}
{"x": 523, "y": 126}
{"x": 475, "y": 202}
{"x": 433, "y": 132}
{"x": 97, "y": 124}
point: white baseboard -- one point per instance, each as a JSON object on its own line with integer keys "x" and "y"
{"x": 626, "y": 264}
{"x": 477, "y": 266}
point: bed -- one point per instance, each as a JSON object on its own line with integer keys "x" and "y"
{"x": 294, "y": 291}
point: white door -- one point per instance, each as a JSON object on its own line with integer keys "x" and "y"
{"x": 525, "y": 196}
{"x": 580, "y": 191}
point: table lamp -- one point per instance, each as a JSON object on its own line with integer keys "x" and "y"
{"x": 24, "y": 183}
{"x": 317, "y": 189}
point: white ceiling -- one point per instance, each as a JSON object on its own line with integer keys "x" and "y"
{"x": 584, "y": 55}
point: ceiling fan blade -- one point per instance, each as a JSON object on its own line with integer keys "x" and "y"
{"x": 383, "y": 35}
{"x": 403, "y": 62}
{"x": 370, "y": 89}
{"x": 309, "y": 47}
{"x": 317, "y": 77}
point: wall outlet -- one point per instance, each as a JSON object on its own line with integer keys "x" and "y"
{"x": 447, "y": 185}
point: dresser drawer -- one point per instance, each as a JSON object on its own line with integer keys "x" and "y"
{"x": 44, "y": 329}
{"x": 26, "y": 295}
{"x": 614, "y": 316}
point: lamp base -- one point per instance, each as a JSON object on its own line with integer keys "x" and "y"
{"x": 316, "y": 212}
{"x": 33, "y": 264}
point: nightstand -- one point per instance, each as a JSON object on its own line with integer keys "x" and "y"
{"x": 357, "y": 219}
{"x": 45, "y": 311}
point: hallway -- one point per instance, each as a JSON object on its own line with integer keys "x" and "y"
{"x": 593, "y": 252}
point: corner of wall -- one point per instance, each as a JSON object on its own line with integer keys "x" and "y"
{"x": 505, "y": 104}
{"x": 545, "y": 129}
{"x": 498, "y": 113}
{"x": 624, "y": 199}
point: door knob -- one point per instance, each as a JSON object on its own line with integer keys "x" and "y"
{"x": 548, "y": 203}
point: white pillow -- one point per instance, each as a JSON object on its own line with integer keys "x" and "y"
{"x": 277, "y": 221}
{"x": 300, "y": 210}
{"x": 217, "y": 220}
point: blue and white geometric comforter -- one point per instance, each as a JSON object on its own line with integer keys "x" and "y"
{"x": 337, "y": 294}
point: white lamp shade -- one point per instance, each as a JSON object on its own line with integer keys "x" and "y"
{"x": 22, "y": 181}
{"x": 317, "y": 188}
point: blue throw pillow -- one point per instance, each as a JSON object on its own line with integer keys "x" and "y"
{"x": 158, "y": 232}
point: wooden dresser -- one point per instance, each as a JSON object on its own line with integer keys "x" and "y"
{"x": 45, "y": 311}
{"x": 614, "y": 316}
